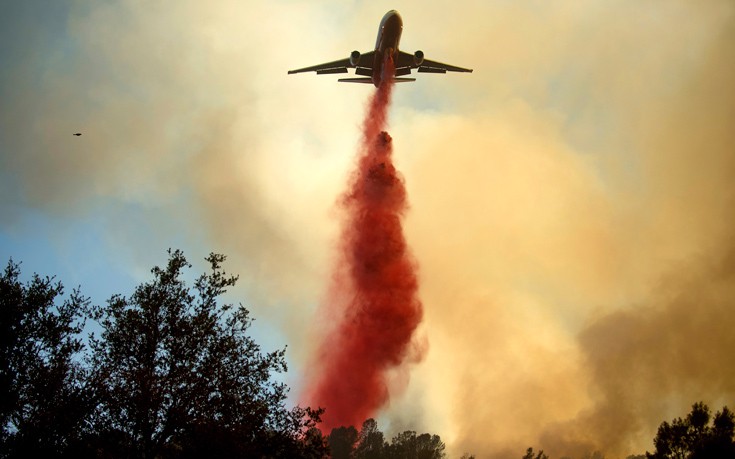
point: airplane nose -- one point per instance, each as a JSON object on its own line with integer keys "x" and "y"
{"x": 393, "y": 19}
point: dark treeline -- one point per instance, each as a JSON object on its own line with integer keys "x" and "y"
{"x": 694, "y": 437}
{"x": 698, "y": 436}
{"x": 370, "y": 443}
{"x": 172, "y": 373}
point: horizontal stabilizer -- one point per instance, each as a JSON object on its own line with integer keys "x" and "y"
{"x": 356, "y": 80}
{"x": 370, "y": 80}
{"x": 431, "y": 70}
{"x": 330, "y": 71}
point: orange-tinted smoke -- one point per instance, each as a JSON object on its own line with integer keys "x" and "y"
{"x": 374, "y": 298}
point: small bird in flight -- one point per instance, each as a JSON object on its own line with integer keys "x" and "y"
{"x": 77, "y": 134}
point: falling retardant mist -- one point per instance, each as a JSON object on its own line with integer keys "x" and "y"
{"x": 372, "y": 308}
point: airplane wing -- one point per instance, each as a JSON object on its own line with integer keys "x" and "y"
{"x": 406, "y": 61}
{"x": 365, "y": 61}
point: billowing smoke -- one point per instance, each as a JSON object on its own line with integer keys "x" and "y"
{"x": 586, "y": 292}
{"x": 373, "y": 299}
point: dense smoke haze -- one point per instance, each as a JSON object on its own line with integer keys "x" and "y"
{"x": 571, "y": 200}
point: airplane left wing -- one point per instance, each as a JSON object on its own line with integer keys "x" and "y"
{"x": 356, "y": 60}
{"x": 409, "y": 61}
{"x": 339, "y": 66}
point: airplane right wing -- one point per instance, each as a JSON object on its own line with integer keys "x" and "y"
{"x": 362, "y": 62}
{"x": 406, "y": 61}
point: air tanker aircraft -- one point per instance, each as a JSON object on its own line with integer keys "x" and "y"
{"x": 370, "y": 64}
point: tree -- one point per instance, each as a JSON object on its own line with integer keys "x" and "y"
{"x": 313, "y": 445}
{"x": 539, "y": 455}
{"x": 429, "y": 447}
{"x": 176, "y": 375}
{"x": 43, "y": 404}
{"x": 371, "y": 442}
{"x": 694, "y": 438}
{"x": 341, "y": 442}
{"x": 410, "y": 446}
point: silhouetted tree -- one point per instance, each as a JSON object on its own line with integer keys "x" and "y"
{"x": 539, "y": 455}
{"x": 410, "y": 446}
{"x": 429, "y": 447}
{"x": 342, "y": 441}
{"x": 313, "y": 445}
{"x": 694, "y": 438}
{"x": 42, "y": 402}
{"x": 176, "y": 375}
{"x": 371, "y": 442}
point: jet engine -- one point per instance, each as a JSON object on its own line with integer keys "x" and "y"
{"x": 418, "y": 58}
{"x": 354, "y": 58}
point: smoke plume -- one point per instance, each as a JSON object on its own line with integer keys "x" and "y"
{"x": 374, "y": 295}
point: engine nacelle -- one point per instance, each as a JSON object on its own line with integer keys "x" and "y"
{"x": 418, "y": 58}
{"x": 354, "y": 58}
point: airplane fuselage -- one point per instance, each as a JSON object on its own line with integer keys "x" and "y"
{"x": 389, "y": 34}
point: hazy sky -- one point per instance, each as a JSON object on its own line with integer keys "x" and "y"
{"x": 571, "y": 200}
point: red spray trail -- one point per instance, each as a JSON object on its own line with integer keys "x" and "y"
{"x": 374, "y": 297}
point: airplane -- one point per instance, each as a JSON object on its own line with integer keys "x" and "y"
{"x": 370, "y": 64}
{"x": 77, "y": 134}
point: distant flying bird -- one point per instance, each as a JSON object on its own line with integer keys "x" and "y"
{"x": 77, "y": 134}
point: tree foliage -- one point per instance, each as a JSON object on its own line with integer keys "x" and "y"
{"x": 540, "y": 455}
{"x": 694, "y": 437}
{"x": 411, "y": 446}
{"x": 43, "y": 398}
{"x": 342, "y": 441}
{"x": 369, "y": 443}
{"x": 173, "y": 373}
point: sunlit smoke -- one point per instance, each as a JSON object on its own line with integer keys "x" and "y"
{"x": 374, "y": 295}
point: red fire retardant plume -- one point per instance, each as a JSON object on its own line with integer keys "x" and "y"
{"x": 373, "y": 304}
